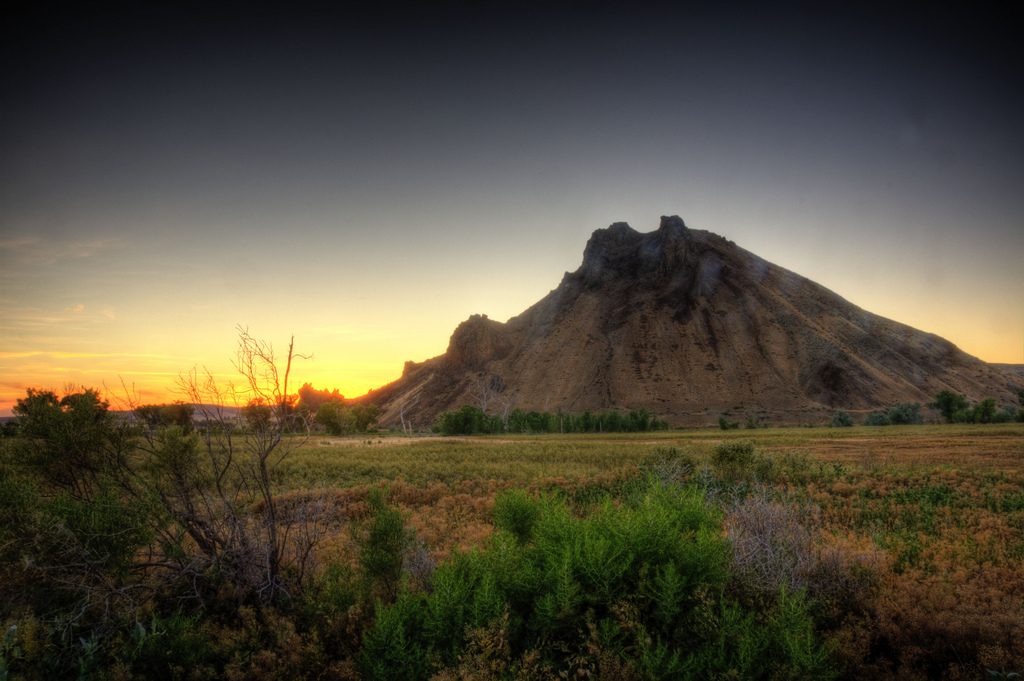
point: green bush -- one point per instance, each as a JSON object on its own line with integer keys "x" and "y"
{"x": 877, "y": 418}
{"x": 516, "y": 513}
{"x": 382, "y": 545}
{"x": 726, "y": 424}
{"x": 467, "y": 420}
{"x": 948, "y": 404}
{"x": 738, "y": 462}
{"x": 841, "y": 420}
{"x": 642, "y": 584}
{"x": 985, "y": 411}
{"x": 908, "y": 413}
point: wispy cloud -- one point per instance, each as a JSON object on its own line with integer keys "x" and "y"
{"x": 18, "y": 320}
{"x": 59, "y": 354}
{"x": 24, "y": 251}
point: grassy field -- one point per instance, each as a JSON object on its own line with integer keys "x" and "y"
{"x": 935, "y": 514}
{"x": 887, "y": 552}
{"x": 348, "y": 462}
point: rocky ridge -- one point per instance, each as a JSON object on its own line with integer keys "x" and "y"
{"x": 688, "y": 325}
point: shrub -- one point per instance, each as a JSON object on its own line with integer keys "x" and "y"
{"x": 774, "y": 548}
{"x": 841, "y": 420}
{"x": 335, "y": 418}
{"x": 949, "y": 403}
{"x": 643, "y": 582}
{"x": 738, "y": 462}
{"x": 1008, "y": 414}
{"x": 985, "y": 411}
{"x": 517, "y": 513}
{"x": 877, "y": 418}
{"x": 467, "y": 420}
{"x": 726, "y": 424}
{"x": 908, "y": 413}
{"x": 382, "y": 545}
{"x": 670, "y": 466}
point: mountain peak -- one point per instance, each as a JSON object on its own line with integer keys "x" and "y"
{"x": 621, "y": 251}
{"x": 689, "y": 326}
{"x": 673, "y": 225}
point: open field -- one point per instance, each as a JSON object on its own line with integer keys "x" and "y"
{"x": 934, "y": 513}
{"x": 972, "y": 475}
{"x": 523, "y": 459}
{"x": 904, "y": 545}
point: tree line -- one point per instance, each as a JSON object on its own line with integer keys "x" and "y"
{"x": 470, "y": 420}
{"x": 952, "y": 407}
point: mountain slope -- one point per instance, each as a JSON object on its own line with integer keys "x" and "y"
{"x": 688, "y": 325}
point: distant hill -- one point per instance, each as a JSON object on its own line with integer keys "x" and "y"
{"x": 688, "y": 325}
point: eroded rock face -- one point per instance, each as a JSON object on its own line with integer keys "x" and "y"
{"x": 688, "y": 325}
{"x": 475, "y": 342}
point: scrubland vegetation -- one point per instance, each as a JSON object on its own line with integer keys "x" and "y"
{"x": 177, "y": 542}
{"x": 780, "y": 553}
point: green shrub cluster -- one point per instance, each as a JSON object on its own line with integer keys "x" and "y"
{"x": 726, "y": 424}
{"x": 640, "y": 588}
{"x": 908, "y": 413}
{"x": 470, "y": 420}
{"x": 738, "y": 461}
{"x": 338, "y": 418}
{"x": 841, "y": 419}
{"x": 956, "y": 409}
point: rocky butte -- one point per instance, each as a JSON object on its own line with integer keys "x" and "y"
{"x": 687, "y": 325}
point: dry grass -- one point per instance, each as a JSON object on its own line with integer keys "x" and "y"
{"x": 939, "y": 510}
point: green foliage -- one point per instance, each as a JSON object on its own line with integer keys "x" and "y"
{"x": 643, "y": 581}
{"x": 841, "y": 419}
{"x": 516, "y": 513}
{"x": 161, "y": 415}
{"x": 877, "y": 418}
{"x": 949, "y": 403}
{"x": 1008, "y": 414}
{"x": 737, "y": 461}
{"x": 469, "y": 420}
{"x": 162, "y": 646}
{"x": 985, "y": 411}
{"x": 669, "y": 465}
{"x": 908, "y": 413}
{"x": 382, "y": 545}
{"x": 68, "y": 440}
{"x": 726, "y": 424}
{"x": 340, "y": 419}
{"x": 905, "y": 414}
{"x": 258, "y": 415}
{"x": 364, "y": 416}
{"x": 335, "y": 418}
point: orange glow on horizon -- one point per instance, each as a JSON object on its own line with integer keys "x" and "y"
{"x": 153, "y": 377}
{"x": 138, "y": 381}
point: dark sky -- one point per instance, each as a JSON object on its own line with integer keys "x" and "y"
{"x": 450, "y": 159}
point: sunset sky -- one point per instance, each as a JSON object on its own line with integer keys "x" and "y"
{"x": 367, "y": 181}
